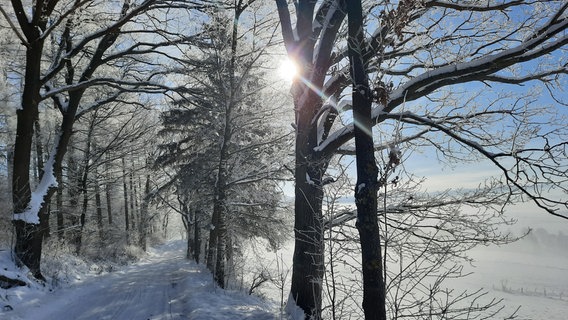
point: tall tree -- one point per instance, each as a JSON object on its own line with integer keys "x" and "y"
{"x": 417, "y": 53}
{"x": 227, "y": 140}
{"x": 367, "y": 171}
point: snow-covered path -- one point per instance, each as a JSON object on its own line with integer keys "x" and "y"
{"x": 162, "y": 286}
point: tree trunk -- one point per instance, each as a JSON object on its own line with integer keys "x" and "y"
{"x": 83, "y": 217}
{"x": 73, "y": 194}
{"x": 186, "y": 219}
{"x": 99, "y": 209}
{"x": 191, "y": 237}
{"x": 132, "y": 201}
{"x": 308, "y": 261}
{"x": 108, "y": 192}
{"x": 197, "y": 239}
{"x": 216, "y": 251}
{"x": 367, "y": 172}
{"x": 84, "y": 184}
{"x": 125, "y": 193}
{"x": 29, "y": 237}
{"x": 28, "y": 246}
{"x": 165, "y": 223}
{"x": 44, "y": 213}
{"x": 143, "y": 225}
{"x": 38, "y": 145}
{"x": 212, "y": 242}
{"x": 59, "y": 206}
{"x": 189, "y": 221}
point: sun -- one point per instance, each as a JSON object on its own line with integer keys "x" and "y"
{"x": 288, "y": 70}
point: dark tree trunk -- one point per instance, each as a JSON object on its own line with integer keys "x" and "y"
{"x": 217, "y": 234}
{"x": 125, "y": 193}
{"x": 187, "y": 225}
{"x": 143, "y": 225}
{"x": 212, "y": 242}
{"x": 28, "y": 246}
{"x": 132, "y": 201}
{"x": 59, "y": 205}
{"x": 73, "y": 194}
{"x": 84, "y": 184}
{"x": 39, "y": 146}
{"x": 108, "y": 193}
{"x": 44, "y": 212}
{"x": 191, "y": 238}
{"x": 99, "y": 209}
{"x": 82, "y": 217}
{"x": 367, "y": 172}
{"x": 308, "y": 261}
{"x": 29, "y": 236}
{"x": 220, "y": 261}
{"x": 197, "y": 239}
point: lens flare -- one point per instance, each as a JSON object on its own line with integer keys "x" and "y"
{"x": 288, "y": 70}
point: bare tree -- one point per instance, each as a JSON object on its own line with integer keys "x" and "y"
{"x": 417, "y": 53}
{"x": 426, "y": 238}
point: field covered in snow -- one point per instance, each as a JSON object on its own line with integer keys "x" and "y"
{"x": 531, "y": 274}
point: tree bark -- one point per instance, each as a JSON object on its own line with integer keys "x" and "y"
{"x": 308, "y": 261}
{"x": 216, "y": 252}
{"x": 99, "y": 209}
{"x": 59, "y": 206}
{"x": 197, "y": 238}
{"x": 367, "y": 172}
{"x": 29, "y": 236}
{"x": 108, "y": 188}
{"x": 132, "y": 200}
{"x": 143, "y": 224}
{"x": 125, "y": 193}
{"x": 84, "y": 184}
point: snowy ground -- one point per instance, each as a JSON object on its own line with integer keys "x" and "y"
{"x": 162, "y": 286}
{"x": 532, "y": 273}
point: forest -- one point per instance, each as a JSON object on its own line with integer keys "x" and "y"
{"x": 322, "y": 124}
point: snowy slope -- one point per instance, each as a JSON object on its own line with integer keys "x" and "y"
{"x": 162, "y": 286}
{"x": 531, "y": 273}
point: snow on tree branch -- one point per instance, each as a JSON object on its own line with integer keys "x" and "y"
{"x": 47, "y": 181}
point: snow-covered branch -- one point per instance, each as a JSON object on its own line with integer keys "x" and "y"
{"x": 471, "y": 7}
{"x": 122, "y": 85}
{"x": 47, "y": 182}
